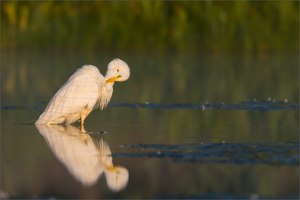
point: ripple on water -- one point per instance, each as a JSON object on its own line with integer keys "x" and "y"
{"x": 227, "y": 153}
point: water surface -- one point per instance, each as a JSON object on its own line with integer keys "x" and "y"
{"x": 180, "y": 127}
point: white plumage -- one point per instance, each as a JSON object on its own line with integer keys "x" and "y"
{"x": 84, "y": 159}
{"x": 85, "y": 90}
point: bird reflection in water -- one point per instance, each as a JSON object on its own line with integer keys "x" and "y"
{"x": 84, "y": 158}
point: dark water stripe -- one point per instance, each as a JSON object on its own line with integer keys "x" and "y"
{"x": 227, "y": 153}
{"x": 255, "y": 106}
{"x": 245, "y": 105}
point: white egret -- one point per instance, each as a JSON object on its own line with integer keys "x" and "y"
{"x": 86, "y": 90}
{"x": 84, "y": 158}
{"x": 116, "y": 176}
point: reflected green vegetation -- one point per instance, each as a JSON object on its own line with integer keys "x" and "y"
{"x": 249, "y": 26}
{"x": 178, "y": 52}
{"x": 34, "y": 78}
{"x": 158, "y": 78}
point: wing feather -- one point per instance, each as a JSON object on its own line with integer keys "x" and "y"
{"x": 80, "y": 91}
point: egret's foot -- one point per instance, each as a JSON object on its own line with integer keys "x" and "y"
{"x": 84, "y": 137}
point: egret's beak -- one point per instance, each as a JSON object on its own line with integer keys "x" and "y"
{"x": 111, "y": 168}
{"x": 113, "y": 79}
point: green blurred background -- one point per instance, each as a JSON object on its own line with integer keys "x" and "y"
{"x": 151, "y": 26}
{"x": 178, "y": 52}
{"x": 196, "y": 50}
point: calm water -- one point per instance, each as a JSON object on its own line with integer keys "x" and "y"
{"x": 182, "y": 126}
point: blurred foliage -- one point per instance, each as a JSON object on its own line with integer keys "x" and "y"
{"x": 29, "y": 78}
{"x": 154, "y": 26}
{"x": 250, "y": 26}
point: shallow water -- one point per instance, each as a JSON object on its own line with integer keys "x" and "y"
{"x": 183, "y": 146}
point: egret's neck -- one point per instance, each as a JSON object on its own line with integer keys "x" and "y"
{"x": 109, "y": 86}
{"x": 105, "y": 95}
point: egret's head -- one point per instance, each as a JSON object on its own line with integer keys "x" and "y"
{"x": 116, "y": 178}
{"x": 117, "y": 70}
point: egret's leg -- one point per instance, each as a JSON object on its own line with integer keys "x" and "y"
{"x": 83, "y": 134}
{"x": 82, "y": 124}
{"x": 82, "y": 129}
{"x": 82, "y": 120}
{"x": 83, "y": 115}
